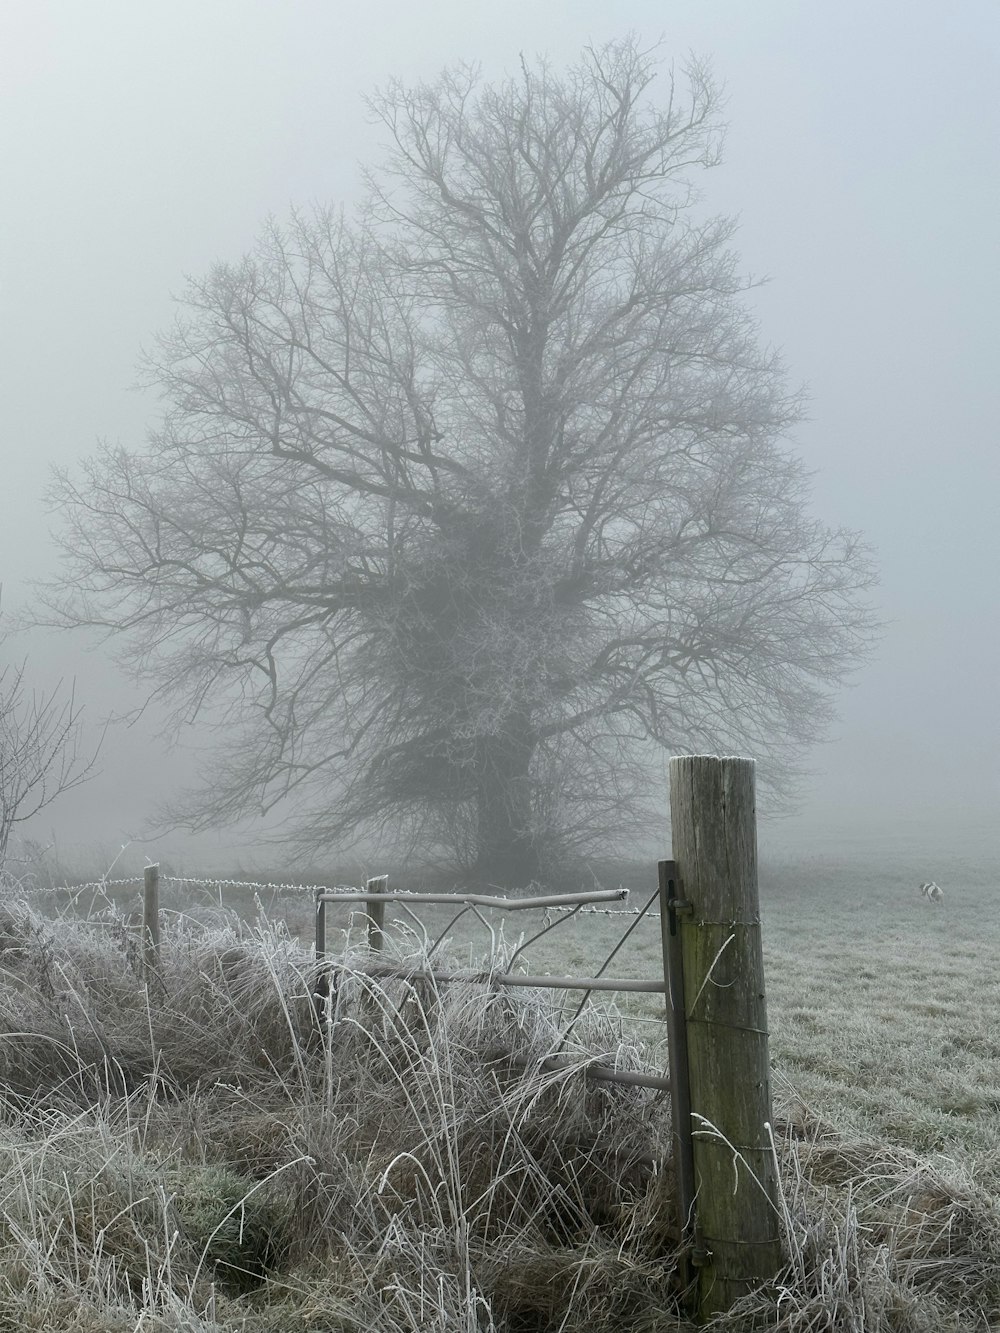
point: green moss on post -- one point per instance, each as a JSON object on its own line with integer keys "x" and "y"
{"x": 736, "y": 1235}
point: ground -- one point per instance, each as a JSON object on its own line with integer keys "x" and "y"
{"x": 195, "y": 1156}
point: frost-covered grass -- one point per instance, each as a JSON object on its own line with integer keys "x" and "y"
{"x": 884, "y": 1009}
{"x": 198, "y": 1155}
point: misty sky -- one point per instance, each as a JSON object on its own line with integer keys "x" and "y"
{"x": 141, "y": 141}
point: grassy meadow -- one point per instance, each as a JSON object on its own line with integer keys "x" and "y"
{"x": 200, "y": 1154}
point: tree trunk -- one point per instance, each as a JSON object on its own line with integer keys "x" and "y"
{"x": 507, "y": 851}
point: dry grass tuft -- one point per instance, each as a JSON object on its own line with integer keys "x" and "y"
{"x": 202, "y": 1153}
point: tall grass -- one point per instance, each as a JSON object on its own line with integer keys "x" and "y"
{"x": 204, "y": 1152}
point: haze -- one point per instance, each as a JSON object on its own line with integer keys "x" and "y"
{"x": 142, "y": 142}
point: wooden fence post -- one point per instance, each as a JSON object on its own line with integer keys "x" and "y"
{"x": 376, "y": 913}
{"x": 150, "y": 921}
{"x": 737, "y": 1244}
{"x": 321, "y": 994}
{"x": 680, "y": 1091}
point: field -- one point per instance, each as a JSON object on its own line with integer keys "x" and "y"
{"x": 197, "y": 1157}
{"x": 884, "y": 1009}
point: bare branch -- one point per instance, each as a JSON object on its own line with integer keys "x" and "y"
{"x": 41, "y": 755}
{"x": 460, "y": 513}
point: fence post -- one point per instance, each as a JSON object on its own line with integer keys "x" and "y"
{"x": 150, "y": 921}
{"x": 376, "y": 913}
{"x": 680, "y": 1090}
{"x": 737, "y": 1244}
{"x": 322, "y": 991}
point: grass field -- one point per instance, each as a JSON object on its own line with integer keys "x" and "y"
{"x": 195, "y": 1156}
{"x": 884, "y": 1009}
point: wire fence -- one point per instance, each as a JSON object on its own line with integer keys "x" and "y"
{"x": 346, "y": 891}
{"x": 371, "y": 902}
{"x": 376, "y": 898}
{"x": 713, "y": 988}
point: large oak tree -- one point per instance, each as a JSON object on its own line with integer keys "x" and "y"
{"x": 465, "y": 509}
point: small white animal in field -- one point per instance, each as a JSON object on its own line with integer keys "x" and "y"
{"x": 932, "y": 892}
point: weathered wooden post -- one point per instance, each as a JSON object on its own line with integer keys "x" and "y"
{"x": 150, "y": 921}
{"x": 737, "y": 1244}
{"x": 376, "y": 913}
{"x": 680, "y": 1091}
{"x": 321, "y": 994}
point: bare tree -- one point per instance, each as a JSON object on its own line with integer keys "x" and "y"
{"x": 41, "y": 756}
{"x": 462, "y": 512}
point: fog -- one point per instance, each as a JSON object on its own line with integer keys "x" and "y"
{"x": 142, "y": 142}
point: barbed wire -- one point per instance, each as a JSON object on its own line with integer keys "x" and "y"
{"x": 273, "y": 887}
{"x": 611, "y": 911}
{"x": 94, "y": 884}
{"x": 204, "y": 883}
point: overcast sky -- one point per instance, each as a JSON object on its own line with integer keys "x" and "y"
{"x": 141, "y": 141}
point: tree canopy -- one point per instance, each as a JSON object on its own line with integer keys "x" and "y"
{"x": 465, "y": 508}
